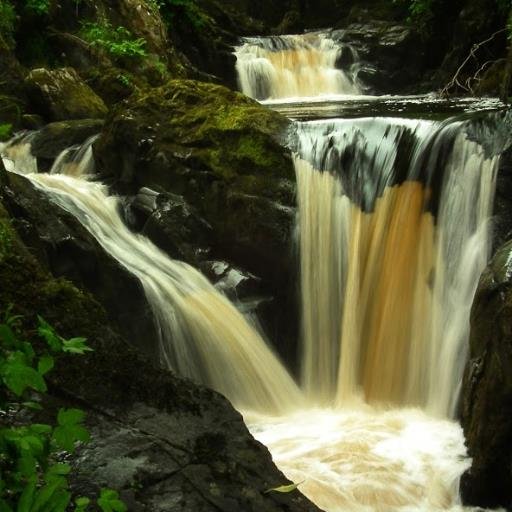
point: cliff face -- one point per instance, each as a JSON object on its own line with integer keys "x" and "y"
{"x": 487, "y": 388}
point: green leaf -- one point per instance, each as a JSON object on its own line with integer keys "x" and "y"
{"x": 26, "y": 465}
{"x": 9, "y": 339}
{"x": 109, "y": 501}
{"x": 65, "y": 437}
{"x": 4, "y": 506}
{"x": 35, "y": 406}
{"x": 59, "y": 469}
{"x": 60, "y": 501}
{"x": 45, "y": 364}
{"x": 27, "y": 496}
{"x": 76, "y": 346}
{"x": 17, "y": 376}
{"x": 70, "y": 416}
{"x": 47, "y": 332}
{"x": 70, "y": 430}
{"x": 81, "y": 504}
{"x": 40, "y": 428}
{"x": 28, "y": 350}
{"x": 44, "y": 495}
{"x": 32, "y": 443}
{"x": 284, "y": 488}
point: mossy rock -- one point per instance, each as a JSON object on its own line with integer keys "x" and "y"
{"x": 60, "y": 94}
{"x": 209, "y": 144}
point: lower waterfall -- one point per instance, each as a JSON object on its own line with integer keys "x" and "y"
{"x": 393, "y": 233}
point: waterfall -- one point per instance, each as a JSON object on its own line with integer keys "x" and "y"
{"x": 393, "y": 234}
{"x": 294, "y": 66}
{"x": 393, "y": 217}
{"x": 202, "y": 335}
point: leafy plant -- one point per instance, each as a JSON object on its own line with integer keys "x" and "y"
{"x": 33, "y": 478}
{"x": 38, "y": 7}
{"x": 116, "y": 41}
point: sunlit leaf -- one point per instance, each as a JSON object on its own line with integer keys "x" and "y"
{"x": 109, "y": 501}
{"x": 75, "y": 346}
{"x": 284, "y": 488}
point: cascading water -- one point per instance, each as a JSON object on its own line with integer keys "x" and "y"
{"x": 393, "y": 239}
{"x": 201, "y": 332}
{"x": 393, "y": 235}
{"x": 294, "y": 66}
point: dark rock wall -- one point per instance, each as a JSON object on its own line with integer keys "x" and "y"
{"x": 487, "y": 388}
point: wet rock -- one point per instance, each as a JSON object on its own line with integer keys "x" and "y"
{"x": 391, "y": 55}
{"x": 172, "y": 224}
{"x": 52, "y": 139}
{"x": 60, "y": 94}
{"x": 502, "y": 220}
{"x": 216, "y": 148}
{"x": 162, "y": 461}
{"x": 236, "y": 283}
{"x": 487, "y": 388}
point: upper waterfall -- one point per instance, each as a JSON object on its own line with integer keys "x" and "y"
{"x": 294, "y": 66}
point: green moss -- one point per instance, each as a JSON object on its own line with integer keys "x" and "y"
{"x": 6, "y": 236}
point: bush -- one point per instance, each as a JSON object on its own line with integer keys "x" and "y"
{"x": 116, "y": 41}
{"x": 33, "y": 477}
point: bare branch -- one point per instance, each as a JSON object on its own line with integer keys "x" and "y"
{"x": 455, "y": 82}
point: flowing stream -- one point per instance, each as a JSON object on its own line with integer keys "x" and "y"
{"x": 393, "y": 219}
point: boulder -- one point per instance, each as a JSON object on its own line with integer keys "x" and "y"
{"x": 52, "y": 139}
{"x": 487, "y": 388}
{"x": 60, "y": 94}
{"x": 221, "y": 152}
{"x": 172, "y": 224}
{"x": 390, "y": 55}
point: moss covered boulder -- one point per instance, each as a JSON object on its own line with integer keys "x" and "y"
{"x": 60, "y": 94}
{"x": 487, "y": 388}
{"x": 218, "y": 149}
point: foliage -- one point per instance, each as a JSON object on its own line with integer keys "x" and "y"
{"x": 5, "y": 131}
{"x": 124, "y": 80}
{"x": 116, "y": 41}
{"x": 38, "y": 7}
{"x": 33, "y": 478}
{"x": 7, "y": 20}
{"x": 504, "y": 5}
{"x": 176, "y": 12}
{"x": 284, "y": 488}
